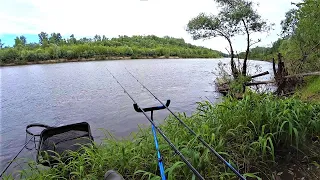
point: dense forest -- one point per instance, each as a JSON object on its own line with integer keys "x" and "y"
{"x": 54, "y": 47}
{"x": 299, "y": 43}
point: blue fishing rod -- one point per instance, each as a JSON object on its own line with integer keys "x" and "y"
{"x": 192, "y": 132}
{"x": 151, "y": 109}
{"x": 154, "y": 128}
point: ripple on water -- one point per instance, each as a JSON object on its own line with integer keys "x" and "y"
{"x": 65, "y": 93}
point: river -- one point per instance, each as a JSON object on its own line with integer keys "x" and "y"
{"x": 57, "y": 94}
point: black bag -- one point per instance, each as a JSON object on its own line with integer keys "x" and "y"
{"x": 56, "y": 142}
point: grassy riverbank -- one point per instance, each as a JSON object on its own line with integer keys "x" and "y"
{"x": 261, "y": 135}
{"x": 311, "y": 89}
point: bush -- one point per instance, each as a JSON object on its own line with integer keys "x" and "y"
{"x": 70, "y": 55}
{"x": 9, "y": 55}
{"x": 31, "y": 56}
{"x": 42, "y": 55}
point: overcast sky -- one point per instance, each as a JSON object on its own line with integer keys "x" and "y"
{"x": 125, "y": 17}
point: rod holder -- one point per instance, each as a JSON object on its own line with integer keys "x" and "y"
{"x": 138, "y": 109}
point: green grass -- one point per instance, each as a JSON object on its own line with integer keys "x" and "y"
{"x": 311, "y": 89}
{"x": 255, "y": 134}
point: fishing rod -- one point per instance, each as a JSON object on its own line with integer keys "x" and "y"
{"x": 195, "y": 172}
{"x": 5, "y": 169}
{"x": 191, "y": 131}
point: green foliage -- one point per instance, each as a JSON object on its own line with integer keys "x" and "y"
{"x": 289, "y": 24}
{"x": 259, "y": 53}
{"x": 237, "y": 86}
{"x": 300, "y": 43}
{"x": 1, "y": 44}
{"x": 20, "y": 41}
{"x": 55, "y": 48}
{"x": 311, "y": 89}
{"x": 309, "y": 23}
{"x": 9, "y": 55}
{"x": 301, "y": 48}
{"x": 43, "y": 38}
{"x": 264, "y": 53}
{"x": 236, "y": 17}
{"x": 55, "y": 38}
{"x": 253, "y": 134}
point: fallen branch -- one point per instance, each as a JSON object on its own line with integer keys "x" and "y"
{"x": 259, "y": 82}
{"x": 261, "y": 74}
{"x": 303, "y": 74}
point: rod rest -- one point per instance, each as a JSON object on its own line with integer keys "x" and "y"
{"x": 138, "y": 109}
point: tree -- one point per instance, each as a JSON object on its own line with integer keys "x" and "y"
{"x": 55, "y": 38}
{"x": 289, "y": 24}
{"x": 104, "y": 38}
{"x": 236, "y": 17}
{"x": 20, "y": 41}
{"x": 23, "y": 40}
{"x": 275, "y": 46}
{"x": 85, "y": 40}
{"x": 308, "y": 26}
{"x": 72, "y": 39}
{"x": 32, "y": 45}
{"x": 207, "y": 26}
{"x": 43, "y": 39}
{"x": 97, "y": 38}
{"x": 17, "y": 42}
{"x": 301, "y": 32}
{"x": 1, "y": 44}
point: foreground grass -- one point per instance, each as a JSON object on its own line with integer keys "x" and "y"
{"x": 311, "y": 89}
{"x": 257, "y": 135}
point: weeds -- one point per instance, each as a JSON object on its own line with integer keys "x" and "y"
{"x": 311, "y": 89}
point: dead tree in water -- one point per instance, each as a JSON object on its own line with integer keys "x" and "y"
{"x": 279, "y": 73}
{"x": 224, "y": 87}
{"x": 286, "y": 84}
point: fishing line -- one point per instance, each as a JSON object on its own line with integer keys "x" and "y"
{"x": 160, "y": 132}
{"x": 26, "y": 143}
{"x": 5, "y": 169}
{"x": 191, "y": 131}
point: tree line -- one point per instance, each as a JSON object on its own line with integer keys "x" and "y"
{"x": 54, "y": 46}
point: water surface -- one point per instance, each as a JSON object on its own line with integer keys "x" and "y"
{"x": 56, "y": 94}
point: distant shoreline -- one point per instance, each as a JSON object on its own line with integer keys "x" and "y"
{"x": 54, "y": 61}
